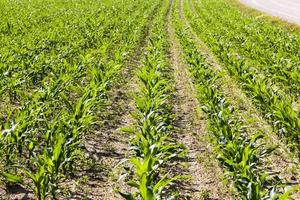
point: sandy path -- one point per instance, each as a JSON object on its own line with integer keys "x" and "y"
{"x": 286, "y": 9}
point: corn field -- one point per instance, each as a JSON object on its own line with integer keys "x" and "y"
{"x": 148, "y": 100}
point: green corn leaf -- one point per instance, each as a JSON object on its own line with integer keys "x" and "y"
{"x": 12, "y": 178}
{"x": 126, "y": 196}
{"x": 133, "y": 184}
{"x": 146, "y": 193}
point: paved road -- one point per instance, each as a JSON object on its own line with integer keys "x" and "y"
{"x": 286, "y": 9}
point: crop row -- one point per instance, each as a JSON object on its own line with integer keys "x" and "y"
{"x": 151, "y": 142}
{"x": 241, "y": 154}
{"x": 58, "y": 87}
{"x": 276, "y": 106}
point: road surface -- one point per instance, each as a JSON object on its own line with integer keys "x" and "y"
{"x": 286, "y": 9}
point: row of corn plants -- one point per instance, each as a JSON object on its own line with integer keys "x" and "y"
{"x": 279, "y": 108}
{"x": 240, "y": 153}
{"x": 49, "y": 115}
{"x": 151, "y": 141}
{"x": 272, "y": 51}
